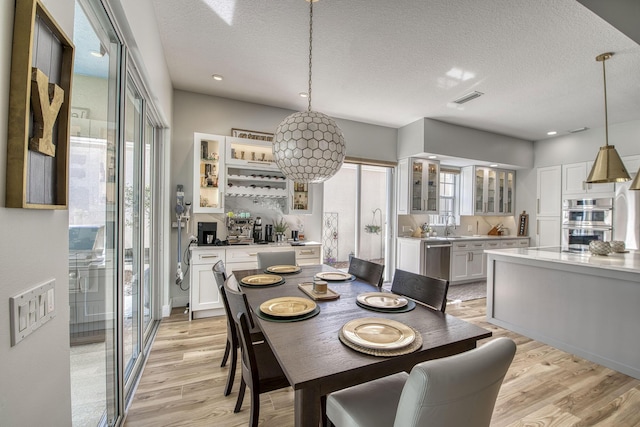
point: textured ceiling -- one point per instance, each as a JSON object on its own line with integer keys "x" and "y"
{"x": 394, "y": 62}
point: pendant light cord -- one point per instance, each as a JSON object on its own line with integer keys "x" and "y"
{"x": 310, "y": 46}
{"x": 606, "y": 114}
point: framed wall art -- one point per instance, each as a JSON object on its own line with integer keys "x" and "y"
{"x": 251, "y": 134}
{"x": 39, "y": 110}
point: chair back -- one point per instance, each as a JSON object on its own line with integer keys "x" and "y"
{"x": 428, "y": 290}
{"x": 219, "y": 273}
{"x": 267, "y": 259}
{"x": 459, "y": 390}
{"x": 239, "y": 308}
{"x": 367, "y": 271}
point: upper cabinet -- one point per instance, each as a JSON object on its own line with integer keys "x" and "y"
{"x": 299, "y": 198}
{"x": 574, "y": 177}
{"x": 250, "y": 153}
{"x": 418, "y": 181}
{"x": 487, "y": 191}
{"x": 208, "y": 173}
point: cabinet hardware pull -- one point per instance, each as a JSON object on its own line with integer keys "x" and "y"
{"x": 253, "y": 254}
{"x": 208, "y": 256}
{"x": 309, "y": 252}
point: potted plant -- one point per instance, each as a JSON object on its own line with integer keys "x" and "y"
{"x": 374, "y": 228}
{"x": 280, "y": 227}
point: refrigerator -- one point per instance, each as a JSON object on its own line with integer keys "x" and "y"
{"x": 626, "y": 219}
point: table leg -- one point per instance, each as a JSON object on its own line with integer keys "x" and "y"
{"x": 307, "y": 407}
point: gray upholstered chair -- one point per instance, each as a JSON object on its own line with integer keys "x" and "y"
{"x": 428, "y": 290}
{"x": 367, "y": 271}
{"x": 267, "y": 259}
{"x": 459, "y": 390}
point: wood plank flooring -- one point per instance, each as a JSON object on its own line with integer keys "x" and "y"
{"x": 182, "y": 383}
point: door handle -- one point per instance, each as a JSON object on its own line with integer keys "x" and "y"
{"x": 538, "y": 205}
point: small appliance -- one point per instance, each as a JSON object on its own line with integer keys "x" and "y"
{"x": 257, "y": 230}
{"x": 268, "y": 233}
{"x": 207, "y": 232}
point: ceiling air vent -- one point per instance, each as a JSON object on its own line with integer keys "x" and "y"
{"x": 468, "y": 97}
{"x": 578, "y": 130}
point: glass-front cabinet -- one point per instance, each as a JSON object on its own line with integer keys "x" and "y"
{"x": 208, "y": 163}
{"x": 299, "y": 198}
{"x": 424, "y": 185}
{"x": 487, "y": 191}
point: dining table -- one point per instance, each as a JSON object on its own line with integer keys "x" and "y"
{"x": 315, "y": 360}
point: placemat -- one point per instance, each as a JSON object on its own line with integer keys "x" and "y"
{"x": 306, "y": 316}
{"x": 410, "y": 306}
{"x": 415, "y": 345}
{"x": 307, "y": 288}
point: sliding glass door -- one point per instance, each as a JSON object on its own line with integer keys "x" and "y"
{"x": 112, "y": 176}
{"x": 355, "y": 215}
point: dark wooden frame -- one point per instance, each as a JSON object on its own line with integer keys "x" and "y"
{"x": 20, "y": 109}
{"x": 252, "y": 134}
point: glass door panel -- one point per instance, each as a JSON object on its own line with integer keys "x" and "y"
{"x": 416, "y": 185}
{"x": 491, "y": 191}
{"x": 147, "y": 224}
{"x": 93, "y": 219}
{"x": 373, "y": 213}
{"x": 133, "y": 200}
{"x": 479, "y": 191}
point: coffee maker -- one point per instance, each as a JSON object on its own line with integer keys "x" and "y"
{"x": 257, "y": 230}
{"x": 268, "y": 233}
{"x": 207, "y": 233}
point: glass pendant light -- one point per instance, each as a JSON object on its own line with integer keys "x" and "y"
{"x": 608, "y": 166}
{"x": 309, "y": 146}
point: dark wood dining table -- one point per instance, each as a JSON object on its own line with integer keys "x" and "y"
{"x": 317, "y": 363}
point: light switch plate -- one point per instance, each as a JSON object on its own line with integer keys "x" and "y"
{"x": 31, "y": 309}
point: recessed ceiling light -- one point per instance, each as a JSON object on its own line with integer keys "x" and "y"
{"x": 495, "y": 165}
{"x": 552, "y": 132}
{"x": 433, "y": 157}
{"x": 304, "y": 94}
{"x": 217, "y": 77}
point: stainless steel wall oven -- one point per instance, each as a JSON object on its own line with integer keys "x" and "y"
{"x": 584, "y": 220}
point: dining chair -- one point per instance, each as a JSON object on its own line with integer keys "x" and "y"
{"x": 458, "y": 390}
{"x": 231, "y": 348}
{"x": 428, "y": 290}
{"x": 367, "y": 271}
{"x": 267, "y": 259}
{"x": 261, "y": 371}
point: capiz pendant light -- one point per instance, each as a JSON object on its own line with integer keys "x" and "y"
{"x": 608, "y": 166}
{"x": 309, "y": 146}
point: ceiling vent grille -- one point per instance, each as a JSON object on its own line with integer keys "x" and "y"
{"x": 468, "y": 97}
{"x": 578, "y": 130}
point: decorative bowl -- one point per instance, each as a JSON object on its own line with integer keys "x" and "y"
{"x": 598, "y": 247}
{"x": 617, "y": 246}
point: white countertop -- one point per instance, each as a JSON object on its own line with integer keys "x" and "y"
{"x": 254, "y": 245}
{"x": 627, "y": 262}
{"x": 462, "y": 238}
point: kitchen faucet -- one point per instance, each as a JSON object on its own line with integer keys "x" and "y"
{"x": 447, "y": 226}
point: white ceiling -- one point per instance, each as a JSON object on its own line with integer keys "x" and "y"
{"x": 394, "y": 62}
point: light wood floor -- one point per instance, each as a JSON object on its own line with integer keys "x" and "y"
{"x": 182, "y": 383}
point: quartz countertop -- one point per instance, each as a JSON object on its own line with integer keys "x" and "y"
{"x": 259, "y": 245}
{"x": 459, "y": 238}
{"x": 627, "y": 262}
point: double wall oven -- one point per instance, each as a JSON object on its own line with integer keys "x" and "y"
{"x": 584, "y": 220}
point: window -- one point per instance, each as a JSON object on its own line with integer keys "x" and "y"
{"x": 449, "y": 198}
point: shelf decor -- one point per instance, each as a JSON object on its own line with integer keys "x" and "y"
{"x": 309, "y": 146}
{"x": 40, "y": 94}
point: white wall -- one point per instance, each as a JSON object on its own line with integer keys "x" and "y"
{"x": 34, "y": 375}
{"x": 464, "y": 142}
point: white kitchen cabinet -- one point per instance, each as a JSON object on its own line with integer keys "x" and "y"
{"x": 418, "y": 186}
{"x": 208, "y": 173}
{"x": 486, "y": 191}
{"x": 204, "y": 298}
{"x": 409, "y": 254}
{"x": 246, "y": 257}
{"x": 468, "y": 261}
{"x": 632, "y": 163}
{"x": 548, "y": 206}
{"x": 574, "y": 176}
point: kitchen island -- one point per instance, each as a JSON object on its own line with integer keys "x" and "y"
{"x": 584, "y": 304}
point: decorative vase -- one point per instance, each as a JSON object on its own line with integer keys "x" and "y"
{"x": 617, "y": 246}
{"x": 598, "y": 247}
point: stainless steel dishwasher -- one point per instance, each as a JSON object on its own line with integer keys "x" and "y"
{"x": 437, "y": 259}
